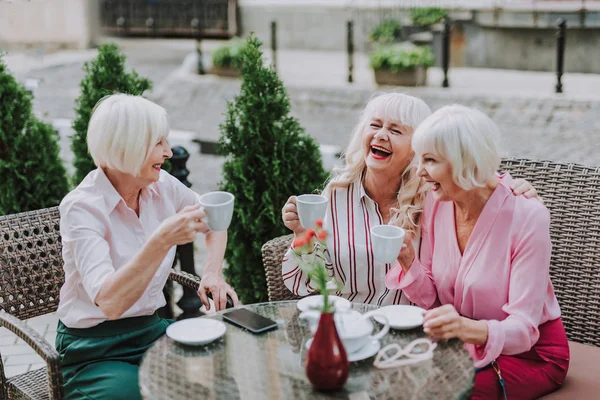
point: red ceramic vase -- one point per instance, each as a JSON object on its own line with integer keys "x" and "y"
{"x": 327, "y": 365}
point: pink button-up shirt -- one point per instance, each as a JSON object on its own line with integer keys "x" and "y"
{"x": 100, "y": 235}
{"x": 502, "y": 277}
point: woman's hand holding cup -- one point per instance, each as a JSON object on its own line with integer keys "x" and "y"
{"x": 182, "y": 227}
{"x": 407, "y": 254}
{"x": 289, "y": 215}
{"x": 387, "y": 242}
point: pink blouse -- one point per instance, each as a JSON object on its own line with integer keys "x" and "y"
{"x": 502, "y": 277}
{"x": 100, "y": 234}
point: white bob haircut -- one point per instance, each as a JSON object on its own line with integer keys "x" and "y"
{"x": 467, "y": 138}
{"x": 123, "y": 130}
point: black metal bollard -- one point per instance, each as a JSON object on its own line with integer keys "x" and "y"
{"x": 150, "y": 25}
{"x": 446, "y": 51}
{"x": 350, "y": 42}
{"x": 121, "y": 24}
{"x": 274, "y": 43}
{"x": 190, "y": 302}
{"x": 195, "y": 23}
{"x": 561, "y": 37}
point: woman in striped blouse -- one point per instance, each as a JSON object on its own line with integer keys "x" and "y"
{"x": 369, "y": 191}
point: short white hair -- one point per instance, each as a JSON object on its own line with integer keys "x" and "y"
{"x": 464, "y": 136}
{"x": 123, "y": 130}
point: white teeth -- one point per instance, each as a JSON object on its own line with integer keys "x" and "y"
{"x": 381, "y": 149}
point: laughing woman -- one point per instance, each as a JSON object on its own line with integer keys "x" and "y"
{"x": 377, "y": 186}
{"x": 119, "y": 230}
{"x": 482, "y": 269}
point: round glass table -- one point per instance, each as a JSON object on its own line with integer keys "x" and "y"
{"x": 270, "y": 365}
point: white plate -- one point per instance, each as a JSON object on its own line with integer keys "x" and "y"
{"x": 196, "y": 331}
{"x": 314, "y": 302}
{"x": 368, "y": 350}
{"x": 401, "y": 316}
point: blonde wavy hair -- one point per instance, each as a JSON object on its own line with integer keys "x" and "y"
{"x": 409, "y": 111}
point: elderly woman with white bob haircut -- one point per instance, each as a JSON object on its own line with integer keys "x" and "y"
{"x": 120, "y": 228}
{"x": 482, "y": 269}
{"x": 377, "y": 186}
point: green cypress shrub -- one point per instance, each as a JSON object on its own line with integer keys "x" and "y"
{"x": 105, "y": 75}
{"x": 32, "y": 175}
{"x": 268, "y": 158}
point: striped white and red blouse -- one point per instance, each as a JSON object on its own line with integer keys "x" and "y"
{"x": 348, "y": 255}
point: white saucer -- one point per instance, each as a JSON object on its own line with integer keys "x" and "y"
{"x": 368, "y": 350}
{"x": 196, "y": 331}
{"x": 314, "y": 302}
{"x": 401, "y": 316}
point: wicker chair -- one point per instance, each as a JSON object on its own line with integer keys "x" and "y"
{"x": 572, "y": 194}
{"x": 272, "y": 254}
{"x": 31, "y": 275}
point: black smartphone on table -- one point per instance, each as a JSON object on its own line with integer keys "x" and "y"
{"x": 249, "y": 320}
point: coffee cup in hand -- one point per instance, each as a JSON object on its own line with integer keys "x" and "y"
{"x": 387, "y": 241}
{"x": 219, "y": 210}
{"x": 311, "y": 207}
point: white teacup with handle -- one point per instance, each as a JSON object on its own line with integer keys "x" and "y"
{"x": 311, "y": 207}
{"x": 355, "y": 329}
{"x": 219, "y": 209}
{"x": 387, "y": 241}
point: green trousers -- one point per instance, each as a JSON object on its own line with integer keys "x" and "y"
{"x": 102, "y": 362}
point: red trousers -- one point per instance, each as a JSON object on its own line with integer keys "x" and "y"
{"x": 528, "y": 375}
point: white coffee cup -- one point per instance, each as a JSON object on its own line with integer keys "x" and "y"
{"x": 355, "y": 329}
{"x": 311, "y": 207}
{"x": 219, "y": 209}
{"x": 387, "y": 241}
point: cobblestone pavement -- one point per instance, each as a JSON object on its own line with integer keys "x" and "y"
{"x": 535, "y": 123}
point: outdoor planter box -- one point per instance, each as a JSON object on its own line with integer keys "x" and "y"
{"x": 225, "y": 71}
{"x": 416, "y": 76}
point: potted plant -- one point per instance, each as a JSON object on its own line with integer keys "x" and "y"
{"x": 427, "y": 16}
{"x": 425, "y": 26}
{"x": 401, "y": 65}
{"x": 386, "y": 32}
{"x": 226, "y": 59}
{"x": 326, "y": 365}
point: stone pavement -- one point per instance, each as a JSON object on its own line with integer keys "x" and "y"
{"x": 536, "y": 122}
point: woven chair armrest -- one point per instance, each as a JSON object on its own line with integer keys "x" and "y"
{"x": 185, "y": 279}
{"x": 29, "y": 336}
{"x": 40, "y": 346}
{"x": 192, "y": 282}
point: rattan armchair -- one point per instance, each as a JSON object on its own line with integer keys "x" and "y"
{"x": 31, "y": 275}
{"x": 272, "y": 255}
{"x": 572, "y": 194}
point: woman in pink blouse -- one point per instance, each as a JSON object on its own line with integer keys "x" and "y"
{"x": 366, "y": 192}
{"x": 482, "y": 269}
{"x": 119, "y": 231}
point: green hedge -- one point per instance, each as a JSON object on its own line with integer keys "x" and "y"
{"x": 104, "y": 75}
{"x": 268, "y": 158}
{"x": 32, "y": 175}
